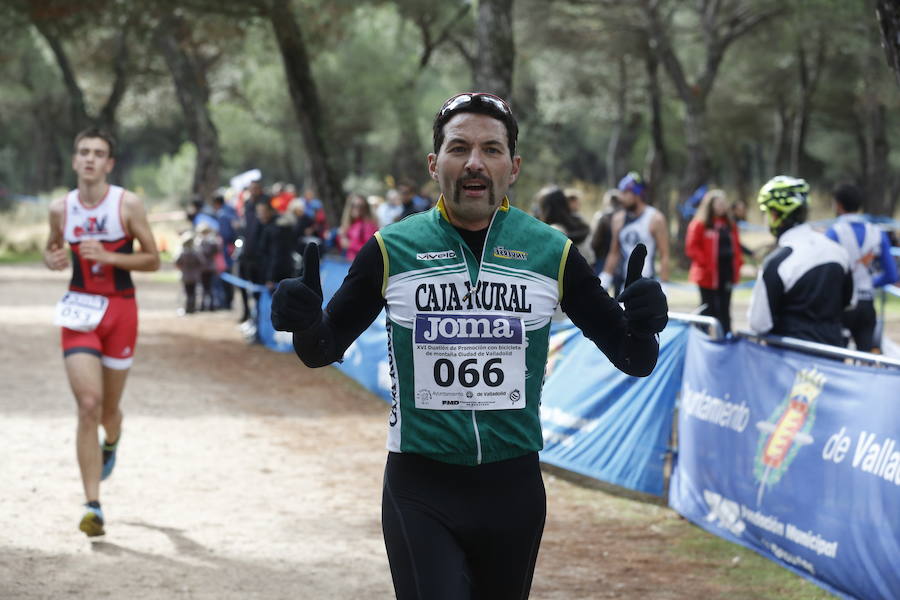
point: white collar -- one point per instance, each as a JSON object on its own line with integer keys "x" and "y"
{"x": 794, "y": 233}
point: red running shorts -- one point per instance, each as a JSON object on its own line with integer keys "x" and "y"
{"x": 114, "y": 338}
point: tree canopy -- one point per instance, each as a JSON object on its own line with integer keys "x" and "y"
{"x": 340, "y": 95}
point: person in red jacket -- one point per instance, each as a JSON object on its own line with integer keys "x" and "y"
{"x": 715, "y": 251}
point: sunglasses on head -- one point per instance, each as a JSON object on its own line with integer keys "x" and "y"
{"x": 462, "y": 100}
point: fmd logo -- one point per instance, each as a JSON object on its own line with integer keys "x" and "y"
{"x": 787, "y": 430}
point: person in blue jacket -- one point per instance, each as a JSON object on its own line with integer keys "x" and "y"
{"x": 867, "y": 246}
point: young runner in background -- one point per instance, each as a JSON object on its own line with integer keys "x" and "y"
{"x": 98, "y": 314}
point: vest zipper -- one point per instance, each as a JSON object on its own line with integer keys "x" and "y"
{"x": 477, "y": 439}
{"x": 465, "y": 298}
{"x": 481, "y": 262}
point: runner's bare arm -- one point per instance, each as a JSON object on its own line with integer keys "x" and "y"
{"x": 615, "y": 252}
{"x": 56, "y": 257}
{"x": 135, "y": 218}
{"x": 607, "y": 276}
{"x": 660, "y": 232}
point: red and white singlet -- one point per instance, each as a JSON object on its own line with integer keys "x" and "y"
{"x": 113, "y": 340}
{"x": 102, "y": 222}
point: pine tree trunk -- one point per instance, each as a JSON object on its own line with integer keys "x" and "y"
{"x": 657, "y": 160}
{"x": 879, "y": 201}
{"x": 305, "y": 98}
{"x": 192, "y": 91}
{"x": 496, "y": 50}
{"x": 408, "y": 161}
{"x": 888, "y": 12}
{"x": 613, "y": 168}
{"x": 697, "y": 170}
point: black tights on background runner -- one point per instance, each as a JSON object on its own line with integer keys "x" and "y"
{"x": 718, "y": 305}
{"x": 459, "y": 532}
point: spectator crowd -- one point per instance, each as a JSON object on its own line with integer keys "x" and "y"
{"x": 259, "y": 234}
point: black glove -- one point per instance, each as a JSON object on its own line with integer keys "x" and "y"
{"x": 645, "y": 303}
{"x": 297, "y": 302}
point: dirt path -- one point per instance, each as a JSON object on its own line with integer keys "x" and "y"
{"x": 242, "y": 474}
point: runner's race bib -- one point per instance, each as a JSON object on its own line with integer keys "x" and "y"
{"x": 81, "y": 312}
{"x": 469, "y": 362}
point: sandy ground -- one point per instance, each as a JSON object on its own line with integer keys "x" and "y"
{"x": 242, "y": 474}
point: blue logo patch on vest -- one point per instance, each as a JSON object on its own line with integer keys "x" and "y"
{"x": 467, "y": 329}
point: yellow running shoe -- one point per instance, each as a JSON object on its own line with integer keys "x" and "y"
{"x": 92, "y": 522}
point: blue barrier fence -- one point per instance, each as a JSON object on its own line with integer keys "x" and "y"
{"x": 797, "y": 458}
{"x": 603, "y": 423}
{"x": 793, "y": 456}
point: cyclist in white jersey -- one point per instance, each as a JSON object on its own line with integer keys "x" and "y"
{"x": 639, "y": 223}
{"x": 805, "y": 284}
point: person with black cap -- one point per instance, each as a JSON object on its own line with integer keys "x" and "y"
{"x": 470, "y": 287}
{"x": 867, "y": 246}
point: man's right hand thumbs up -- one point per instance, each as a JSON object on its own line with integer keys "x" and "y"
{"x": 297, "y": 302}
{"x": 646, "y": 307}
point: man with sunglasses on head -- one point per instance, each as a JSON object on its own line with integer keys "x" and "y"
{"x": 469, "y": 287}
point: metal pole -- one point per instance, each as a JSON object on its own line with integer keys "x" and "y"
{"x": 818, "y": 349}
{"x": 715, "y": 327}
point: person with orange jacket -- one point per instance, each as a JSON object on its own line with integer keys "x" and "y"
{"x": 714, "y": 248}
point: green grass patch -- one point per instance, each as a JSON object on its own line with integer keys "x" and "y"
{"x": 165, "y": 276}
{"x": 891, "y": 305}
{"x": 739, "y": 573}
{"x": 745, "y": 573}
{"x": 15, "y": 258}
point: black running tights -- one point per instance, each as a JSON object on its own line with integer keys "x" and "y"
{"x": 462, "y": 533}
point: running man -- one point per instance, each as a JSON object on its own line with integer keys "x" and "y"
{"x": 98, "y": 314}
{"x": 639, "y": 223}
{"x": 470, "y": 287}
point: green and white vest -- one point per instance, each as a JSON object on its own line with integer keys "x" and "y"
{"x": 468, "y": 344}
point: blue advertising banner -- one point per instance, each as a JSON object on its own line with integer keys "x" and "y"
{"x": 280, "y": 341}
{"x": 608, "y": 425}
{"x": 795, "y": 457}
{"x": 366, "y": 360}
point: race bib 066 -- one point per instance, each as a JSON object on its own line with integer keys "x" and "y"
{"x": 469, "y": 361}
{"x": 81, "y": 312}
